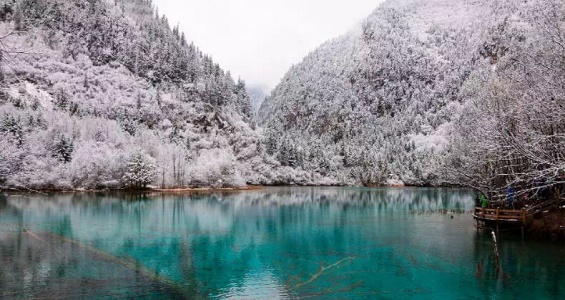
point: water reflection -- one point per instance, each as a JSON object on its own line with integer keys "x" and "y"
{"x": 3, "y": 201}
{"x": 279, "y": 242}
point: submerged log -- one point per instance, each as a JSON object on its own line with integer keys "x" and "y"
{"x": 130, "y": 264}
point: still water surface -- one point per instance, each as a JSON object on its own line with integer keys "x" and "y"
{"x": 277, "y": 243}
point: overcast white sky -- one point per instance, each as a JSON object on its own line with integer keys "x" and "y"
{"x": 260, "y": 39}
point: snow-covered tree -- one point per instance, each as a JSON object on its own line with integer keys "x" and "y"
{"x": 139, "y": 170}
{"x": 512, "y": 131}
{"x": 64, "y": 148}
{"x": 10, "y": 158}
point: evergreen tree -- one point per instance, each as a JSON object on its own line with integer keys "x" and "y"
{"x": 140, "y": 170}
{"x": 13, "y": 125}
{"x": 64, "y": 148}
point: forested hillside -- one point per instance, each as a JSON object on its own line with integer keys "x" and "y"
{"x": 105, "y": 94}
{"x": 408, "y": 96}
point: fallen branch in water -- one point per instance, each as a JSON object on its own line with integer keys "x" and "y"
{"x": 321, "y": 272}
{"x": 33, "y": 235}
{"x": 329, "y": 292}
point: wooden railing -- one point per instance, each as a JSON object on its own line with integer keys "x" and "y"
{"x": 497, "y": 214}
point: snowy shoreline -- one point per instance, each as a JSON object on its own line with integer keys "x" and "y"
{"x": 148, "y": 190}
{"x": 207, "y": 189}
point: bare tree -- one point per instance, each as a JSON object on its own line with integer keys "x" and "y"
{"x": 513, "y": 132}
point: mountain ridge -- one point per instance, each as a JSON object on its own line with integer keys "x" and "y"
{"x": 378, "y": 104}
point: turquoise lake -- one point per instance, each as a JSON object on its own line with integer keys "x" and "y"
{"x": 275, "y": 243}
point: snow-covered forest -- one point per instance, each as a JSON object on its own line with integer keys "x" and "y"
{"x": 106, "y": 94}
{"x": 430, "y": 92}
{"x": 511, "y": 131}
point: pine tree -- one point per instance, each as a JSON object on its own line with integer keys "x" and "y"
{"x": 270, "y": 144}
{"x": 183, "y": 40}
{"x": 61, "y": 100}
{"x": 243, "y": 101}
{"x": 64, "y": 148}
{"x": 14, "y": 126}
{"x": 140, "y": 170}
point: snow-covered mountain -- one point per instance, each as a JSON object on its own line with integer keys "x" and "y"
{"x": 377, "y": 105}
{"x": 104, "y": 94}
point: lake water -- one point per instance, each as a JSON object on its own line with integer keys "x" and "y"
{"x": 276, "y": 243}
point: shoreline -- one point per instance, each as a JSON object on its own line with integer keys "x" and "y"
{"x": 198, "y": 190}
{"x": 548, "y": 226}
{"x": 148, "y": 190}
{"x": 211, "y": 189}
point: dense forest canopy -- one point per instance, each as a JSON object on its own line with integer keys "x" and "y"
{"x": 431, "y": 92}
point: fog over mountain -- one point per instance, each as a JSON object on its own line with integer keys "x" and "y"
{"x": 257, "y": 95}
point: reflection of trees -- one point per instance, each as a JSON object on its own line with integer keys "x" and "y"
{"x": 64, "y": 227}
{"x": 186, "y": 262}
{"x": 521, "y": 266}
{"x": 216, "y": 242}
{"x": 3, "y": 201}
{"x": 329, "y": 224}
{"x": 398, "y": 199}
{"x": 205, "y": 241}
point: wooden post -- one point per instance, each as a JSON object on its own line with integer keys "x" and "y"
{"x": 496, "y": 254}
{"x": 497, "y": 213}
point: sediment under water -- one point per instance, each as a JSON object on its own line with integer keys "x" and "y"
{"x": 277, "y": 242}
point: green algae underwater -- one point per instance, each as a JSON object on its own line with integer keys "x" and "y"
{"x": 281, "y": 243}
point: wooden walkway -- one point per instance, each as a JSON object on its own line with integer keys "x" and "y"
{"x": 497, "y": 215}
